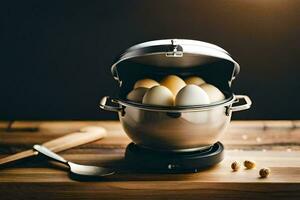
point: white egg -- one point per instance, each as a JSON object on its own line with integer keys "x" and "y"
{"x": 213, "y": 93}
{"x": 174, "y": 83}
{"x": 146, "y": 83}
{"x": 191, "y": 95}
{"x": 159, "y": 95}
{"x": 137, "y": 94}
{"x": 194, "y": 80}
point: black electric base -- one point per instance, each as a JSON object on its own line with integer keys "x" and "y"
{"x": 147, "y": 160}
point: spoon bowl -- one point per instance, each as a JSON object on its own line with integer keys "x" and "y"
{"x": 87, "y": 170}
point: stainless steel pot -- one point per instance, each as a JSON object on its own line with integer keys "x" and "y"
{"x": 175, "y": 128}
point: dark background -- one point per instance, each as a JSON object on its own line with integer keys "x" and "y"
{"x": 56, "y": 55}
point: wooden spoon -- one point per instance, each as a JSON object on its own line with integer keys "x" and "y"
{"x": 84, "y": 136}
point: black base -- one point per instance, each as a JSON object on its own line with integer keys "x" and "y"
{"x": 147, "y": 160}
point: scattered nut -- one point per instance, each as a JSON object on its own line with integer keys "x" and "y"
{"x": 264, "y": 172}
{"x": 235, "y": 166}
{"x": 249, "y": 164}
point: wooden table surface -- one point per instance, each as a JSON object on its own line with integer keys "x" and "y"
{"x": 273, "y": 144}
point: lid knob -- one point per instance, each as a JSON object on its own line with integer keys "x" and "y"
{"x": 175, "y": 50}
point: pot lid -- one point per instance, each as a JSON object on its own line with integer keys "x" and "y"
{"x": 176, "y": 54}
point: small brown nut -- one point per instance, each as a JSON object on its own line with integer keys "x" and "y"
{"x": 264, "y": 172}
{"x": 235, "y": 166}
{"x": 249, "y": 164}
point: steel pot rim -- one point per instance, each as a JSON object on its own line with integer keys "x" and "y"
{"x": 229, "y": 103}
{"x": 127, "y": 103}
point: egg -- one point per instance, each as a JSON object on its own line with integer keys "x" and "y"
{"x": 174, "y": 83}
{"x": 194, "y": 80}
{"x": 137, "y": 94}
{"x": 146, "y": 83}
{"x": 159, "y": 95}
{"x": 191, "y": 95}
{"x": 213, "y": 93}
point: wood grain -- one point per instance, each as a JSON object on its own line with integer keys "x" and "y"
{"x": 273, "y": 144}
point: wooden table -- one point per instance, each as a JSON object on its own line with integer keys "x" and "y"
{"x": 273, "y": 144}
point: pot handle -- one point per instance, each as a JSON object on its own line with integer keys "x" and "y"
{"x": 245, "y": 106}
{"x": 103, "y": 104}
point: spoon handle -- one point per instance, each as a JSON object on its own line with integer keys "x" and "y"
{"x": 46, "y": 152}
